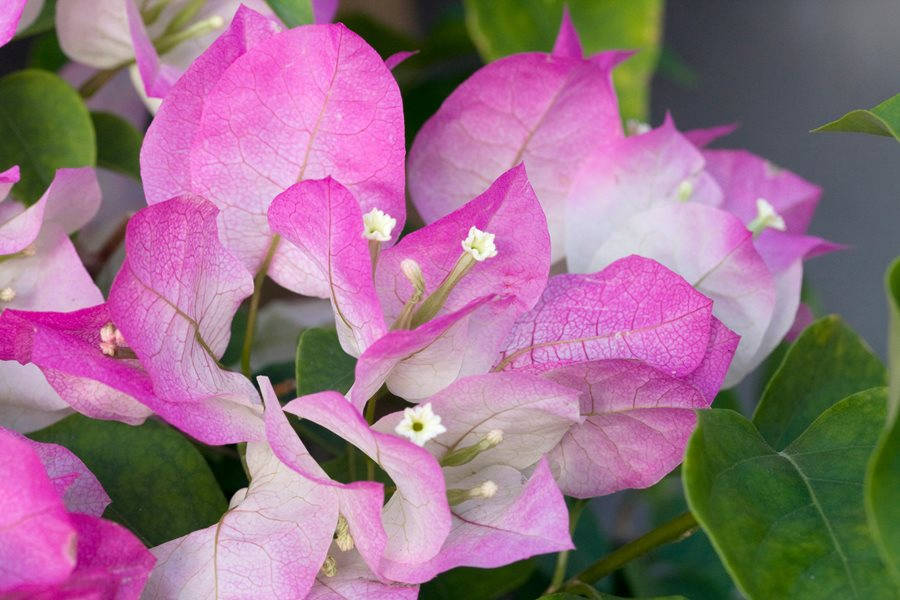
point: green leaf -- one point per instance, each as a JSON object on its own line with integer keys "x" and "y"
{"x": 44, "y": 125}
{"x": 791, "y": 524}
{"x": 118, "y": 144}
{"x": 322, "y": 364}
{"x": 292, "y": 13}
{"x": 503, "y": 27}
{"x": 595, "y": 595}
{"x": 884, "y": 119}
{"x": 160, "y": 486}
{"x": 883, "y": 476}
{"x": 44, "y": 53}
{"x": 828, "y": 362}
{"x": 477, "y": 584}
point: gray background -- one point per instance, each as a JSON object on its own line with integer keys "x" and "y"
{"x": 781, "y": 68}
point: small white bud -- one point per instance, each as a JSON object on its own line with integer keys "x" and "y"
{"x": 685, "y": 190}
{"x": 485, "y": 490}
{"x": 494, "y": 437}
{"x": 378, "y": 225}
{"x": 420, "y": 424}
{"x": 479, "y": 244}
{"x": 766, "y": 217}
{"x": 413, "y": 273}
{"x": 7, "y": 294}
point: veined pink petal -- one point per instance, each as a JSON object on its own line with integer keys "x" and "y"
{"x": 332, "y": 108}
{"x": 704, "y": 137}
{"x": 271, "y": 544}
{"x": 158, "y": 78}
{"x": 71, "y": 200}
{"x": 626, "y": 177}
{"x": 27, "y": 401}
{"x": 94, "y": 32}
{"x": 715, "y": 253}
{"x": 420, "y": 362}
{"x": 508, "y": 209}
{"x": 524, "y": 518}
{"x": 634, "y": 308}
{"x": 359, "y": 502}
{"x": 8, "y": 178}
{"x": 37, "y": 537}
{"x": 802, "y": 320}
{"x": 396, "y": 58}
{"x": 66, "y": 347}
{"x": 10, "y": 13}
{"x": 167, "y": 145}
{"x": 324, "y": 10}
{"x": 173, "y": 301}
{"x": 549, "y": 111}
{"x": 745, "y": 177}
{"x": 324, "y": 223}
{"x": 354, "y": 580}
{"x": 417, "y": 517}
{"x": 637, "y": 423}
{"x": 709, "y": 376}
{"x": 567, "y": 41}
{"x": 76, "y": 485}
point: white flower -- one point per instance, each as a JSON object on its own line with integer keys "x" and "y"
{"x": 420, "y": 424}
{"x": 7, "y": 294}
{"x": 766, "y": 216}
{"x": 378, "y": 225}
{"x": 479, "y": 244}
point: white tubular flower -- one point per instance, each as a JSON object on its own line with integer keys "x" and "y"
{"x": 7, "y": 294}
{"x": 479, "y": 244}
{"x": 420, "y": 424}
{"x": 766, "y": 217}
{"x": 378, "y": 225}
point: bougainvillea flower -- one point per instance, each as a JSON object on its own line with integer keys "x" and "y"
{"x": 505, "y": 504}
{"x": 52, "y": 541}
{"x": 40, "y": 270}
{"x": 449, "y": 292}
{"x": 326, "y": 535}
{"x": 546, "y": 110}
{"x": 173, "y": 302}
{"x": 637, "y": 421}
{"x": 10, "y": 15}
{"x": 243, "y": 124}
{"x": 645, "y": 194}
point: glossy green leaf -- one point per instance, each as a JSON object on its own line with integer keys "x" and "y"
{"x": 595, "y": 595}
{"x": 883, "y": 119}
{"x": 160, "y": 486}
{"x": 828, "y": 362}
{"x": 791, "y": 524}
{"x": 292, "y": 13}
{"x": 118, "y": 144}
{"x": 45, "y": 53}
{"x": 44, "y": 125}
{"x": 883, "y": 477}
{"x": 477, "y": 584}
{"x": 503, "y": 27}
{"x": 322, "y": 364}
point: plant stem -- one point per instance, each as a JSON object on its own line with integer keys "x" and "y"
{"x": 678, "y": 528}
{"x": 254, "y": 306}
{"x": 101, "y": 78}
{"x": 562, "y": 559}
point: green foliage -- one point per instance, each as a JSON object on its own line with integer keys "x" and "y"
{"x": 591, "y": 594}
{"x": 118, "y": 144}
{"x": 828, "y": 362}
{"x": 883, "y": 477}
{"x": 44, "y": 125}
{"x": 791, "y": 523}
{"x": 322, "y": 364}
{"x": 292, "y": 12}
{"x": 883, "y": 119}
{"x": 478, "y": 584}
{"x": 503, "y": 27}
{"x": 160, "y": 486}
{"x": 45, "y": 53}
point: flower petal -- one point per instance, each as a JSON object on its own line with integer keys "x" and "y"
{"x": 76, "y": 485}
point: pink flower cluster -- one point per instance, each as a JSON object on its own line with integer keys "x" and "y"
{"x": 281, "y": 153}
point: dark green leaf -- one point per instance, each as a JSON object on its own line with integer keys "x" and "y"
{"x": 595, "y": 595}
{"x": 44, "y": 125}
{"x": 118, "y": 144}
{"x": 884, "y": 119}
{"x": 503, "y": 27}
{"x": 477, "y": 584}
{"x": 791, "y": 524}
{"x": 292, "y": 12}
{"x": 45, "y": 53}
{"x": 160, "y": 486}
{"x": 322, "y": 364}
{"x": 883, "y": 477}
{"x": 828, "y": 362}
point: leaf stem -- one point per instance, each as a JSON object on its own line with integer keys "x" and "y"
{"x": 562, "y": 559}
{"x": 254, "y": 306}
{"x": 678, "y": 528}
{"x": 101, "y": 78}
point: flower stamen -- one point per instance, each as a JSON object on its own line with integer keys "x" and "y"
{"x": 484, "y": 491}
{"x": 766, "y": 217}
